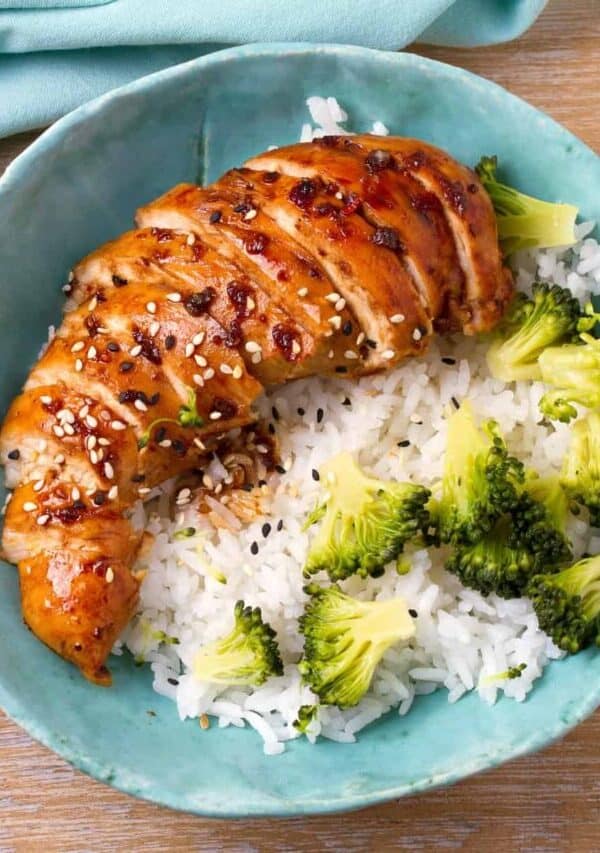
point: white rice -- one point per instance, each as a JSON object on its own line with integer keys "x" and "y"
{"x": 463, "y": 640}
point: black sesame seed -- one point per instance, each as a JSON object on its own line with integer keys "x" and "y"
{"x": 254, "y": 548}
{"x": 243, "y": 207}
{"x": 126, "y": 366}
{"x": 371, "y": 343}
{"x": 280, "y": 469}
{"x": 280, "y": 524}
{"x": 448, "y": 360}
{"x": 262, "y": 483}
{"x": 455, "y": 403}
{"x": 160, "y": 434}
{"x": 266, "y": 529}
{"x": 138, "y": 478}
{"x": 347, "y": 328}
{"x": 119, "y": 281}
{"x": 271, "y": 429}
{"x": 14, "y": 454}
{"x": 341, "y": 369}
{"x": 247, "y": 487}
{"x": 179, "y": 447}
{"x": 404, "y": 443}
{"x": 320, "y": 414}
{"x": 99, "y": 498}
{"x": 173, "y": 681}
{"x": 170, "y": 341}
{"x": 315, "y": 475}
{"x": 346, "y": 401}
{"x": 153, "y": 400}
{"x": 78, "y": 505}
{"x": 113, "y": 346}
{"x": 412, "y": 612}
{"x": 215, "y": 217}
{"x": 301, "y": 411}
{"x": 275, "y": 413}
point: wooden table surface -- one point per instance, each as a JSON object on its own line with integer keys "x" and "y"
{"x": 546, "y": 802}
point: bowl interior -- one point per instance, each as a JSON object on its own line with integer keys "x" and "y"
{"x": 78, "y": 186}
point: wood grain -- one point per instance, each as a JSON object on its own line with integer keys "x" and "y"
{"x": 546, "y": 802}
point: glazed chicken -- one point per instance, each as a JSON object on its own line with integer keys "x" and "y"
{"x": 337, "y": 257}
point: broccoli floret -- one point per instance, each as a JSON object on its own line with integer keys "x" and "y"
{"x": 551, "y": 316}
{"x": 539, "y": 518}
{"x": 306, "y": 715}
{"x": 186, "y": 417}
{"x": 525, "y": 222}
{"x": 248, "y": 655}
{"x": 495, "y": 563}
{"x": 344, "y": 640}
{"x": 479, "y": 482}
{"x": 364, "y": 522}
{"x": 580, "y": 474}
{"x": 568, "y": 604}
{"x": 574, "y": 372}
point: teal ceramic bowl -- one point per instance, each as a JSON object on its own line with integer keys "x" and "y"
{"x": 79, "y": 185}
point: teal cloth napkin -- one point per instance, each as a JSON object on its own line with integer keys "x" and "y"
{"x": 56, "y": 54}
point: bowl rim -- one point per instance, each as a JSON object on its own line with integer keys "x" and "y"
{"x": 121, "y": 780}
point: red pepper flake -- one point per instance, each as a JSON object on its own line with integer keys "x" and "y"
{"x": 256, "y": 243}
{"x": 162, "y": 234}
{"x": 92, "y": 324}
{"x": 303, "y": 193}
{"x": 378, "y": 160}
{"x": 197, "y": 304}
{"x": 352, "y": 204}
{"x": 226, "y": 407}
{"x": 149, "y": 347}
{"x": 286, "y": 340}
{"x": 388, "y": 238}
{"x": 239, "y": 295}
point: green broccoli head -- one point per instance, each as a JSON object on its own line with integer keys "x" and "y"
{"x": 580, "y": 475}
{"x": 479, "y": 482}
{"x": 364, "y": 522}
{"x": 525, "y": 222}
{"x": 344, "y": 640}
{"x": 495, "y": 563}
{"x": 552, "y": 315}
{"x": 539, "y": 518}
{"x": 248, "y": 655}
{"x": 306, "y": 715}
{"x": 574, "y": 372}
{"x": 568, "y": 604}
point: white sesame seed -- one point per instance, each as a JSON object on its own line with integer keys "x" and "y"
{"x": 198, "y": 338}
{"x": 330, "y": 354}
{"x": 68, "y": 429}
{"x": 261, "y": 448}
{"x": 83, "y": 411}
{"x": 226, "y": 369}
{"x": 250, "y": 304}
{"x": 38, "y": 486}
{"x": 59, "y": 458}
{"x": 237, "y": 372}
{"x": 339, "y": 195}
{"x": 45, "y": 399}
{"x": 79, "y": 365}
{"x": 184, "y": 495}
{"x": 75, "y": 493}
{"x": 154, "y": 328}
{"x": 110, "y": 575}
{"x": 140, "y": 406}
{"x": 198, "y": 380}
{"x": 174, "y": 297}
{"x": 397, "y": 318}
{"x": 58, "y": 431}
{"x": 250, "y": 215}
{"x": 417, "y": 335}
{"x": 209, "y": 373}
{"x": 151, "y": 307}
{"x": 303, "y": 292}
{"x": 117, "y": 425}
{"x": 91, "y": 421}
{"x": 252, "y": 346}
{"x": 215, "y": 416}
{"x": 100, "y": 455}
{"x": 91, "y": 353}
{"x": 109, "y": 471}
{"x": 200, "y": 361}
{"x": 336, "y": 321}
{"x": 350, "y": 354}
{"x": 104, "y": 441}
{"x": 29, "y": 506}
{"x": 66, "y": 415}
{"x": 256, "y": 358}
{"x": 144, "y": 490}
{"x": 43, "y": 519}
{"x": 332, "y": 297}
{"x": 199, "y": 444}
{"x": 92, "y": 304}
{"x": 207, "y": 482}
{"x": 102, "y": 330}
{"x": 93, "y": 457}
{"x": 135, "y": 350}
{"x": 191, "y": 239}
{"x": 71, "y": 276}
{"x": 388, "y": 354}
{"x": 360, "y": 339}
{"x": 77, "y": 346}
{"x": 166, "y": 442}
{"x": 189, "y": 350}
{"x": 340, "y": 305}
{"x": 113, "y": 493}
{"x": 296, "y": 348}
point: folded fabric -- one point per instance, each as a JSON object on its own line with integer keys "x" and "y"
{"x": 52, "y": 59}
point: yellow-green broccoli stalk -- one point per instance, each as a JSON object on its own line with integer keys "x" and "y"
{"x": 580, "y": 475}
